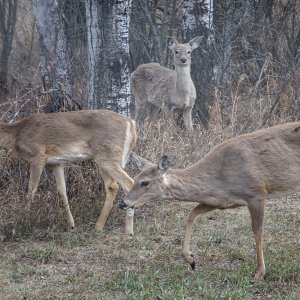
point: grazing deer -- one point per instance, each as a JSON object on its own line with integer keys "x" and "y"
{"x": 58, "y": 138}
{"x": 242, "y": 171}
{"x": 163, "y": 89}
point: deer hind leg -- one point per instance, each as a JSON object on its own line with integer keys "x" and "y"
{"x": 58, "y": 172}
{"x": 199, "y": 209}
{"x": 154, "y": 113}
{"x": 187, "y": 119}
{"x": 121, "y": 177}
{"x": 36, "y": 169}
{"x": 257, "y": 216}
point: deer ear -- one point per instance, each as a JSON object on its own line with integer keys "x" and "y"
{"x": 164, "y": 163}
{"x": 139, "y": 161}
{"x": 172, "y": 43}
{"x": 195, "y": 42}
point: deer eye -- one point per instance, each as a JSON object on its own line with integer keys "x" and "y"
{"x": 176, "y": 51}
{"x": 189, "y": 52}
{"x": 144, "y": 183}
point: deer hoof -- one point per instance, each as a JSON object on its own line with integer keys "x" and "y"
{"x": 259, "y": 277}
{"x": 193, "y": 264}
{"x": 129, "y": 236}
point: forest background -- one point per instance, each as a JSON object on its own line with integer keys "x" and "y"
{"x": 80, "y": 53}
{"x": 60, "y": 55}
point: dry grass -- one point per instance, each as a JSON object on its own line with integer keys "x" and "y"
{"x": 43, "y": 260}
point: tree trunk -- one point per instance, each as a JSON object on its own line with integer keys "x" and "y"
{"x": 54, "y": 61}
{"x": 8, "y": 13}
{"x": 197, "y": 21}
{"x": 108, "y": 55}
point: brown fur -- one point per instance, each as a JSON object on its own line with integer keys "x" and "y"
{"x": 163, "y": 89}
{"x": 242, "y": 171}
{"x": 57, "y": 138}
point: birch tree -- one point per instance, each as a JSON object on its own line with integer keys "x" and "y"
{"x": 108, "y": 54}
{"x": 54, "y": 66}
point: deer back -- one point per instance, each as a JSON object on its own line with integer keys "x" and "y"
{"x": 233, "y": 173}
{"x": 73, "y": 135}
{"x": 153, "y": 83}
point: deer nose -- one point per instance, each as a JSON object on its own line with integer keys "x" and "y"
{"x": 183, "y": 60}
{"x": 122, "y": 204}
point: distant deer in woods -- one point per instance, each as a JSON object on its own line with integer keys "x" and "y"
{"x": 58, "y": 138}
{"x": 242, "y": 171}
{"x": 161, "y": 89}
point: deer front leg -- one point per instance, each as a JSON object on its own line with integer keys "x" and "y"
{"x": 126, "y": 185}
{"x": 58, "y": 172}
{"x": 199, "y": 209}
{"x": 187, "y": 119}
{"x": 111, "y": 189}
{"x": 154, "y": 113}
{"x": 139, "y": 112}
{"x": 129, "y": 222}
{"x": 169, "y": 112}
{"x": 118, "y": 174}
{"x": 257, "y": 216}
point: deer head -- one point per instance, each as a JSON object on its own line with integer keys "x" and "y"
{"x": 182, "y": 52}
{"x": 150, "y": 184}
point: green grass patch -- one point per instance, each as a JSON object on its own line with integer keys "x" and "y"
{"x": 87, "y": 264}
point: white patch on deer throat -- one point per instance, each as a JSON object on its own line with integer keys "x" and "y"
{"x": 166, "y": 180}
{"x": 126, "y": 145}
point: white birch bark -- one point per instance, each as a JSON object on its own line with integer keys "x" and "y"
{"x": 121, "y": 86}
{"x": 189, "y": 21}
{"x": 108, "y": 54}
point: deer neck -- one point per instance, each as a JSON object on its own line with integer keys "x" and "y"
{"x": 183, "y": 77}
{"x": 187, "y": 185}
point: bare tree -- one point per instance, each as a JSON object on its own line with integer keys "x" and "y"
{"x": 107, "y": 25}
{"x": 76, "y": 45}
{"x": 258, "y": 41}
{"x": 8, "y": 17}
{"x": 54, "y": 65}
{"x": 151, "y": 23}
{"x": 197, "y": 20}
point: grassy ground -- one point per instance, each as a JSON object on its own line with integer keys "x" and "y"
{"x": 85, "y": 264}
{"x": 45, "y": 261}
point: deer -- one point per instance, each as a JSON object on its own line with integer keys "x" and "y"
{"x": 162, "y": 89}
{"x": 66, "y": 137}
{"x": 241, "y": 171}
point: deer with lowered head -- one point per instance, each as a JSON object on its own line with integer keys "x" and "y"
{"x": 66, "y": 137}
{"x": 161, "y": 89}
{"x": 242, "y": 171}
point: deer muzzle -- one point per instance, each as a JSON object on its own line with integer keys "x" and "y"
{"x": 123, "y": 205}
{"x": 183, "y": 60}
